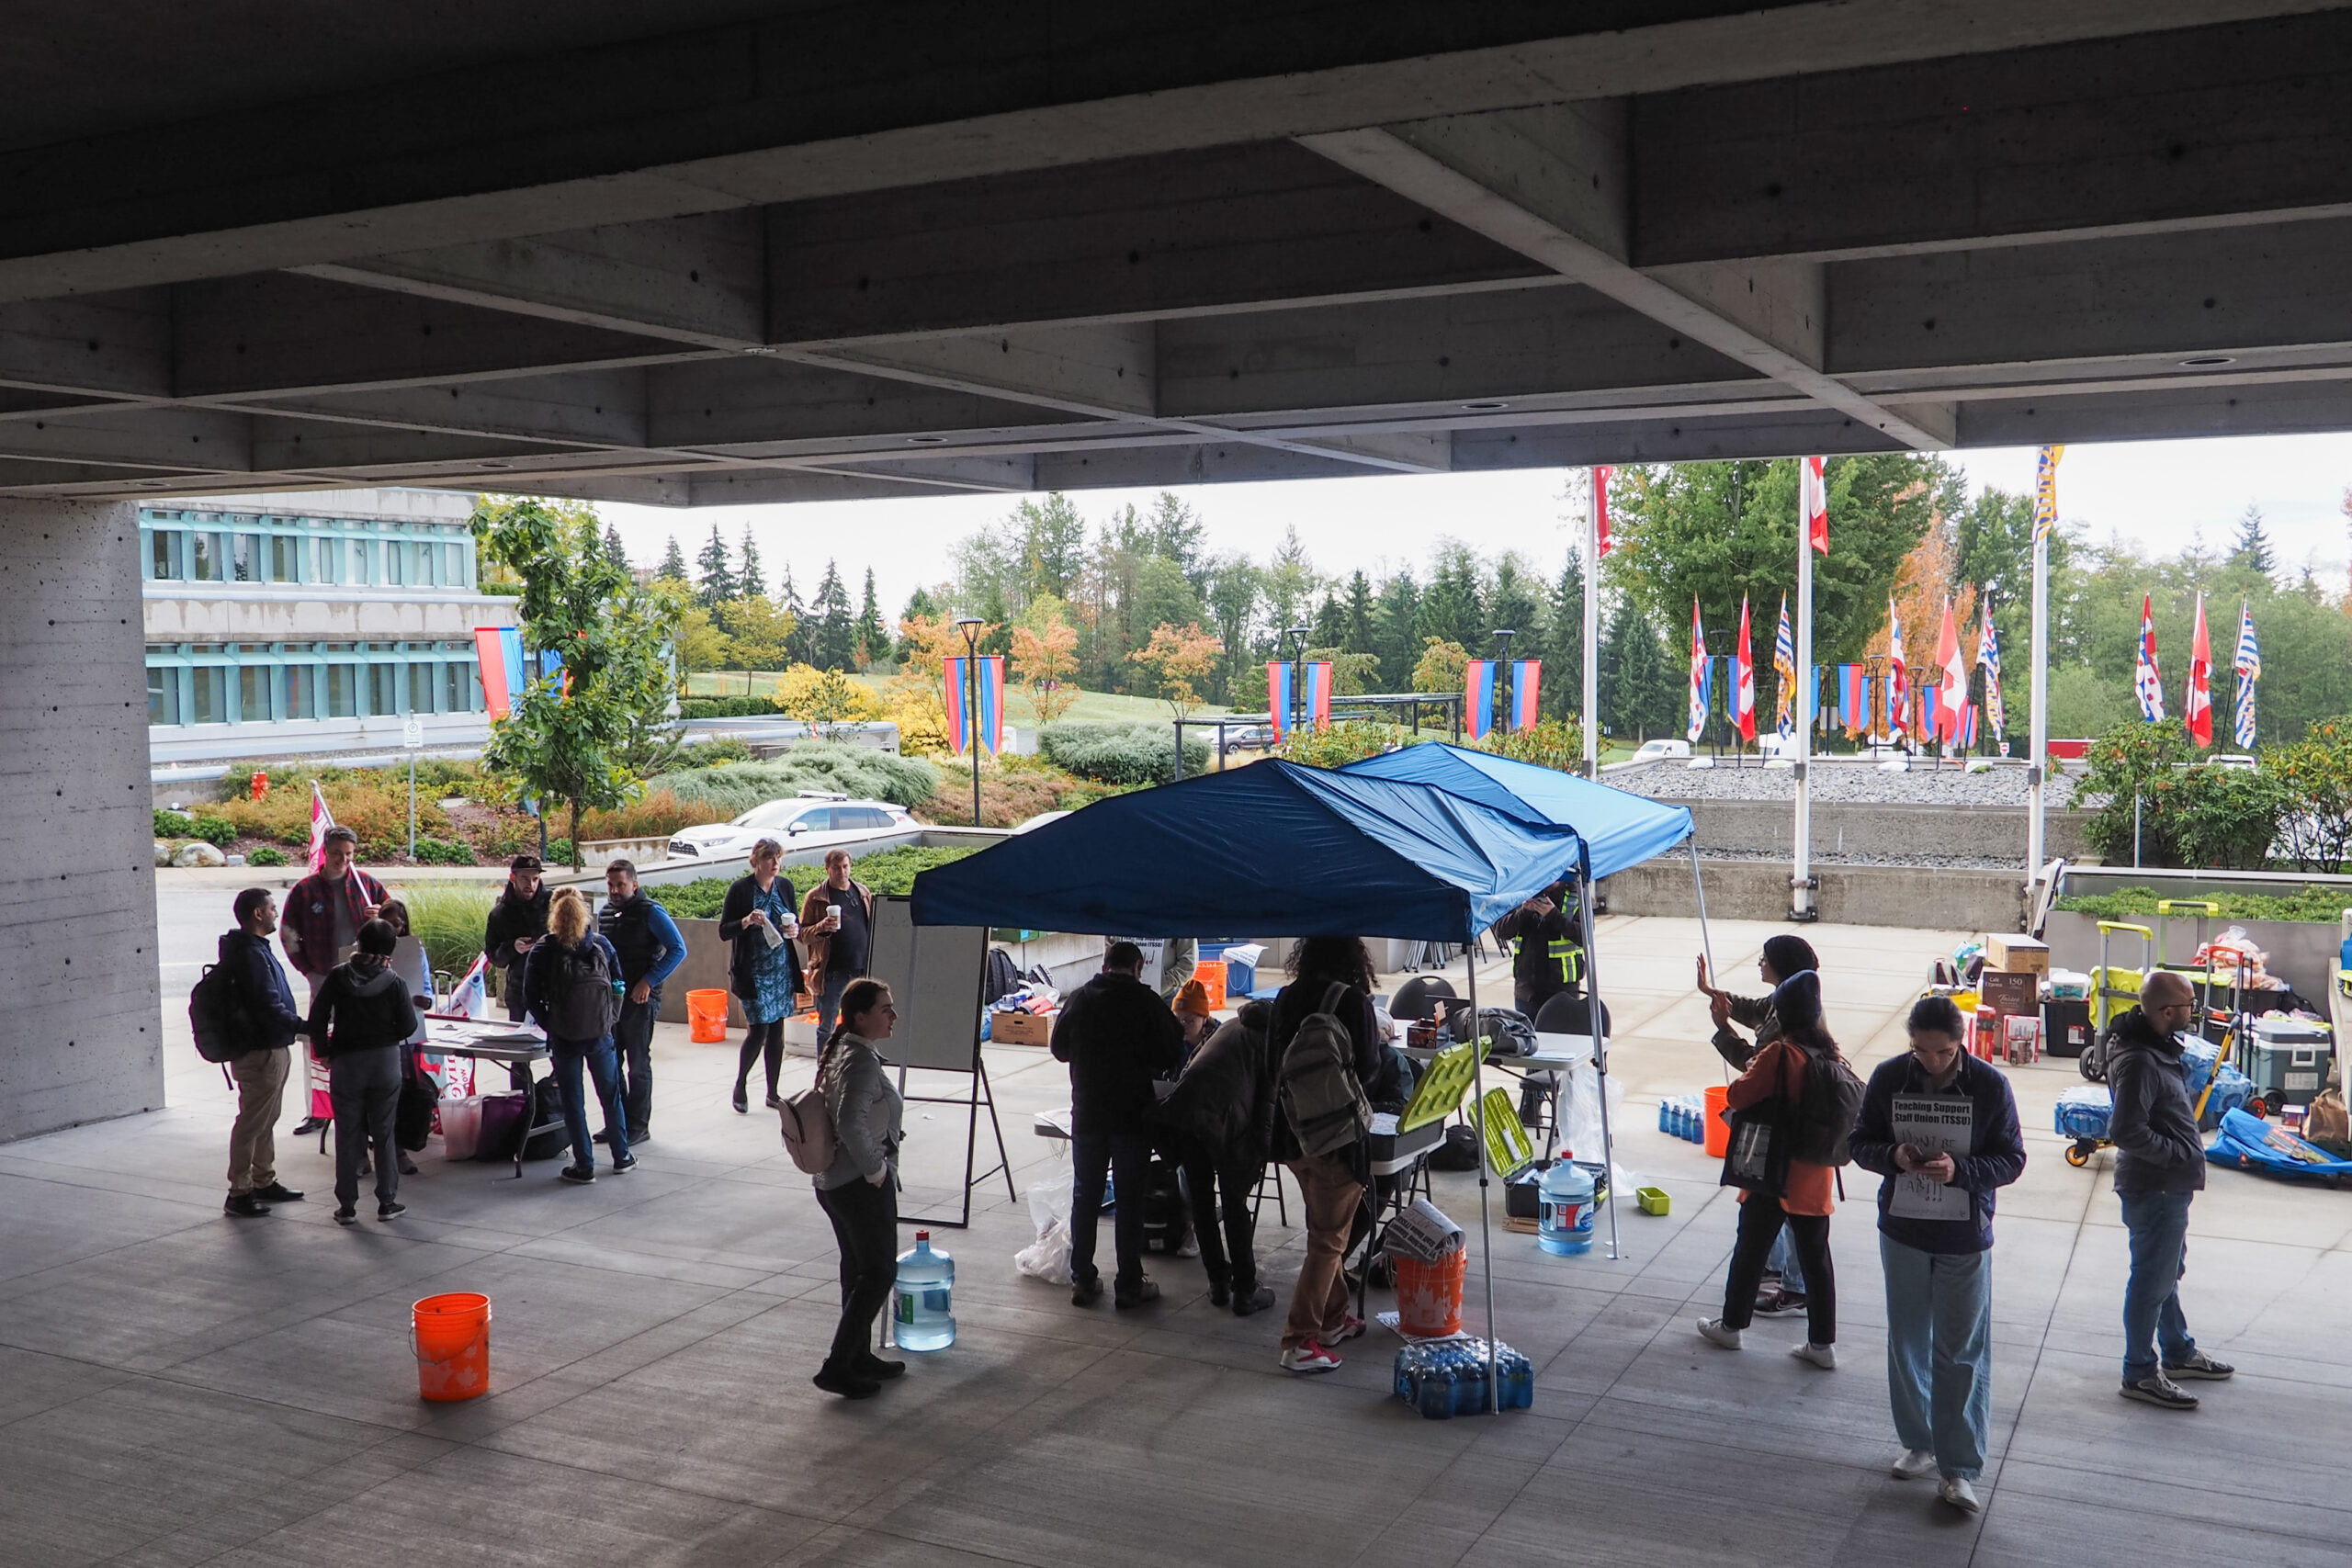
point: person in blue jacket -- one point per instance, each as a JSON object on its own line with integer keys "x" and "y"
{"x": 1935, "y": 1239}
{"x": 650, "y": 949}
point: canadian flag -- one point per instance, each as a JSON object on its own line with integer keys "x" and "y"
{"x": 1951, "y": 696}
{"x": 1744, "y": 680}
{"x": 1817, "y": 504}
{"x": 2197, "y": 712}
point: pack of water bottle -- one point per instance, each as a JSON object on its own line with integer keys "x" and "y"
{"x": 1683, "y": 1116}
{"x": 1445, "y": 1378}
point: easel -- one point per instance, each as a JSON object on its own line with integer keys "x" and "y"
{"x": 939, "y": 1029}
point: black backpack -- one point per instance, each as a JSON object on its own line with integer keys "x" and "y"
{"x": 582, "y": 1003}
{"x": 1823, "y": 1118}
{"x": 216, "y": 1015}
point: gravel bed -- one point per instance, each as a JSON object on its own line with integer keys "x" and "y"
{"x": 1835, "y": 780}
{"x": 1918, "y": 861}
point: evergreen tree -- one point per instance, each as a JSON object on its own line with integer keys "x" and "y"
{"x": 1361, "y": 637}
{"x": 1563, "y": 642}
{"x": 614, "y": 551}
{"x": 1450, "y": 610}
{"x": 715, "y": 585}
{"x": 873, "y": 638}
{"x": 835, "y": 637}
{"x": 1396, "y": 618}
{"x": 2252, "y": 549}
{"x": 800, "y": 644}
{"x": 1640, "y": 695}
{"x": 1176, "y": 535}
{"x": 1511, "y": 607}
{"x": 1330, "y": 623}
{"x": 674, "y": 562}
{"x": 750, "y": 581}
{"x": 1232, "y": 599}
{"x": 920, "y": 606}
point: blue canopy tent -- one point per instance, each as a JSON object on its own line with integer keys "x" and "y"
{"x": 1617, "y": 828}
{"x": 1277, "y": 850}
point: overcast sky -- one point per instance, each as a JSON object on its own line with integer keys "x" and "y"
{"x": 2163, "y": 493}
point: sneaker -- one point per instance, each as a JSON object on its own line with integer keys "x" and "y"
{"x": 277, "y": 1192}
{"x": 624, "y": 1165}
{"x": 1308, "y": 1357}
{"x": 639, "y": 1137}
{"x": 1255, "y": 1299}
{"x": 2159, "y": 1390}
{"x": 1915, "y": 1463}
{"x": 1189, "y": 1247}
{"x": 347, "y": 1216}
{"x": 1956, "y": 1491}
{"x": 1350, "y": 1327}
{"x": 1086, "y": 1292}
{"x": 2198, "y": 1365}
{"x": 1821, "y": 1356}
{"x": 849, "y": 1385}
{"x": 1713, "y": 1331}
{"x": 1220, "y": 1293}
{"x": 599, "y": 1138}
{"x": 391, "y": 1211}
{"x": 1122, "y": 1298}
{"x": 408, "y": 1165}
{"x": 743, "y": 1106}
{"x": 579, "y": 1175}
{"x": 1780, "y": 1304}
{"x": 870, "y": 1365}
{"x": 245, "y": 1205}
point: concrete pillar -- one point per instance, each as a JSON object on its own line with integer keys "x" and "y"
{"x": 81, "y": 1024}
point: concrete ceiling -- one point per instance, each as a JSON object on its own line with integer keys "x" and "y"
{"x": 729, "y": 252}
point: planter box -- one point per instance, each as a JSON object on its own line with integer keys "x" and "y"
{"x": 2302, "y": 953}
{"x": 597, "y": 853}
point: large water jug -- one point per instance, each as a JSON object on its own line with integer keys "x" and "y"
{"x": 1565, "y": 1222}
{"x": 2344, "y": 953}
{"x": 926, "y": 1289}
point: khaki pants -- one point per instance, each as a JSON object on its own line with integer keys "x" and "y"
{"x": 253, "y": 1139}
{"x": 1330, "y": 1194}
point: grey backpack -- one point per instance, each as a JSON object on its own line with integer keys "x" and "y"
{"x": 1318, "y": 1085}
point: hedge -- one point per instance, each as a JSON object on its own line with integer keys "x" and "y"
{"x": 1121, "y": 753}
{"x": 859, "y": 771}
{"x": 891, "y": 870}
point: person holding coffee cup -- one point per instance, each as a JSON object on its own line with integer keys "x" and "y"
{"x": 837, "y": 928}
{"x": 757, "y": 917}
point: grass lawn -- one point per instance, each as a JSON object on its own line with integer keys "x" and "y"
{"x": 1095, "y": 707}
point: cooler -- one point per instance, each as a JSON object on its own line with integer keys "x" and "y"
{"x": 2065, "y": 1027}
{"x": 2288, "y": 1059}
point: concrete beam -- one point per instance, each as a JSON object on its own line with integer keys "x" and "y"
{"x": 1543, "y": 183}
{"x": 1668, "y": 440}
{"x": 602, "y": 408}
{"x": 1095, "y": 370}
{"x": 214, "y": 440}
{"x": 2155, "y": 413}
{"x": 763, "y": 406}
{"x": 102, "y": 346}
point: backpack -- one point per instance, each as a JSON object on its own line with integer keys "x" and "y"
{"x": 809, "y": 1129}
{"x": 216, "y": 1015}
{"x": 1318, "y": 1085}
{"x": 582, "y": 1003}
{"x": 1825, "y": 1112}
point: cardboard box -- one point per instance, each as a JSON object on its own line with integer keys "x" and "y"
{"x": 2009, "y": 994}
{"x": 2017, "y": 954}
{"x": 1021, "y": 1027}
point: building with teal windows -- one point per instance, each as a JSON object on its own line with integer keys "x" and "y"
{"x": 312, "y": 623}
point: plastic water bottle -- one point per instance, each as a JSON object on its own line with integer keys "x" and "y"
{"x": 925, "y": 1310}
{"x": 1564, "y": 1224}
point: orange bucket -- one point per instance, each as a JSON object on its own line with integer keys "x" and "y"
{"x": 1718, "y": 1129}
{"x": 707, "y": 1017}
{"x": 1429, "y": 1295}
{"x": 1209, "y": 973}
{"x": 450, "y": 1338}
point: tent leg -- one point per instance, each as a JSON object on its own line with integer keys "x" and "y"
{"x": 1486, "y": 1232}
{"x": 1706, "y": 943}
{"x": 1600, "y": 1055}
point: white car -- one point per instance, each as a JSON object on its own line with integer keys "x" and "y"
{"x": 805, "y": 821}
{"x": 1655, "y": 751}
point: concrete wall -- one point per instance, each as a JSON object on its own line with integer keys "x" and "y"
{"x": 1767, "y": 827}
{"x": 81, "y": 1037}
{"x": 1859, "y": 894}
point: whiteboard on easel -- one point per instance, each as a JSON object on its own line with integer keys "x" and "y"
{"x": 933, "y": 972}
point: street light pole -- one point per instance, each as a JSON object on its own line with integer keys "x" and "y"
{"x": 1298, "y": 636}
{"x": 1511, "y": 681}
{"x": 971, "y": 627}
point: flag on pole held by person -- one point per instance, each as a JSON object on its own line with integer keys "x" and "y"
{"x": 1988, "y": 659}
{"x": 2197, "y": 707}
{"x": 1744, "y": 680}
{"x": 321, "y": 821}
{"x": 1898, "y": 678}
{"x": 1478, "y": 701}
{"x": 1952, "y": 691}
{"x": 470, "y": 996}
{"x": 1701, "y": 676}
{"x": 1785, "y": 674}
{"x": 2146, "y": 684}
{"x": 1600, "y": 477}
{"x": 1817, "y": 502}
{"x": 2248, "y": 665}
{"x": 2045, "y": 493}
{"x": 1526, "y": 679}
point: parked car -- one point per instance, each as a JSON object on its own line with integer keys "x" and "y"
{"x": 805, "y": 821}
{"x": 1249, "y": 738}
{"x": 1656, "y": 750}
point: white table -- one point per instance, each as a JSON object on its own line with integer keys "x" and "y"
{"x": 518, "y": 1046}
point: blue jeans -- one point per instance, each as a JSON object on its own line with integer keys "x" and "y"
{"x": 566, "y": 1058}
{"x": 1940, "y": 1352}
{"x": 1783, "y": 1257}
{"x": 1128, "y": 1155}
{"x": 2159, "y": 1223}
{"x": 828, "y": 1004}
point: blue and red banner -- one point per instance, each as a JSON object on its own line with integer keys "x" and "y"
{"x": 1526, "y": 682}
{"x": 1311, "y": 695}
{"x": 991, "y": 701}
{"x": 500, "y": 651}
{"x": 1478, "y": 700}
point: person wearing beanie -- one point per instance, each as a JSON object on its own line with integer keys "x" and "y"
{"x": 1194, "y": 1015}
{"x": 1781, "y": 1293}
{"x": 360, "y": 1022}
{"x": 1221, "y": 1116}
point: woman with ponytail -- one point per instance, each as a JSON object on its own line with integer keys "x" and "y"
{"x": 859, "y": 1191}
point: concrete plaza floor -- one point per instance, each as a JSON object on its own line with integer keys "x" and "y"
{"x": 180, "y": 1388}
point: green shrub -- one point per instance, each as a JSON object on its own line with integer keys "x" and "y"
{"x": 2317, "y": 904}
{"x": 174, "y": 825}
{"x": 443, "y": 851}
{"x": 1349, "y": 742}
{"x": 729, "y": 707}
{"x": 559, "y": 852}
{"x": 2186, "y": 815}
{"x": 448, "y": 920}
{"x": 266, "y": 855}
{"x": 1121, "y": 753}
{"x": 856, "y": 771}
{"x": 697, "y": 900}
{"x": 218, "y": 831}
{"x": 891, "y": 870}
{"x": 711, "y": 753}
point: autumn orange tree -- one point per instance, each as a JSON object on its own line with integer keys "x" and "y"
{"x": 1044, "y": 663}
{"x": 1179, "y": 656}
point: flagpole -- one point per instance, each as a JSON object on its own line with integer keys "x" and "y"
{"x": 1593, "y": 503}
{"x": 2037, "y": 753}
{"x": 1801, "y": 882}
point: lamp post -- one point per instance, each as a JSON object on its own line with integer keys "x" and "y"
{"x": 1296, "y": 637}
{"x": 1510, "y": 682}
{"x": 971, "y": 627}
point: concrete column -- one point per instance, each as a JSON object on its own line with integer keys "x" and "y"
{"x": 81, "y": 1025}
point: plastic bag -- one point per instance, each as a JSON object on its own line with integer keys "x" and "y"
{"x": 1048, "y": 1258}
{"x": 1580, "y": 1121}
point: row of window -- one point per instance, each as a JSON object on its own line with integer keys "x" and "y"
{"x": 443, "y": 558}
{"x": 207, "y": 684}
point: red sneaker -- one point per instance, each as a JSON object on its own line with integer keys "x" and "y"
{"x": 1309, "y": 1357}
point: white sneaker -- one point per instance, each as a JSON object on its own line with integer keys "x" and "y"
{"x": 1821, "y": 1356}
{"x": 1713, "y": 1331}
{"x": 1915, "y": 1463}
{"x": 1959, "y": 1495}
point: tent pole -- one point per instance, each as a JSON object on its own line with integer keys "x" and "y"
{"x": 1485, "y": 1233}
{"x": 1706, "y": 944}
{"x": 1600, "y": 1059}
